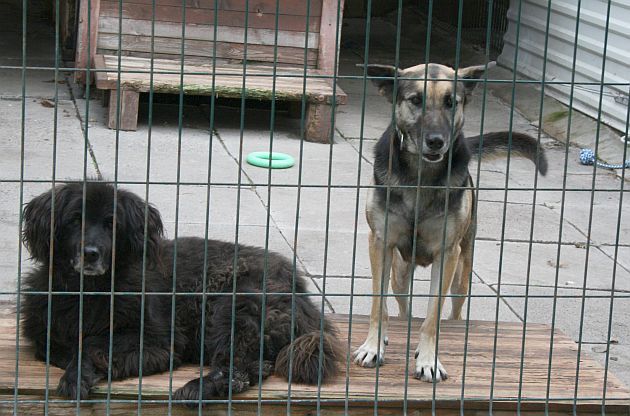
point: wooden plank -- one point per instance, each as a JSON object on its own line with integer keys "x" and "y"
{"x": 269, "y": 6}
{"x": 128, "y": 103}
{"x": 206, "y": 16}
{"x": 89, "y": 12}
{"x": 361, "y": 381}
{"x": 328, "y": 39}
{"x": 192, "y": 47}
{"x": 99, "y": 67}
{"x": 206, "y": 32}
{"x": 196, "y": 63}
{"x": 228, "y": 80}
{"x": 290, "y": 7}
{"x": 319, "y": 123}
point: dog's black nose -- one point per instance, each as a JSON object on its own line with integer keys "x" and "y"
{"x": 435, "y": 141}
{"x": 91, "y": 254}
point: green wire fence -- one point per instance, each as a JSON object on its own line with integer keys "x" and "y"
{"x": 493, "y": 15}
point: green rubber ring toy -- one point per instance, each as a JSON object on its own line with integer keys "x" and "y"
{"x": 270, "y": 160}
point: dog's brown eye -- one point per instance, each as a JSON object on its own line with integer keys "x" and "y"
{"x": 448, "y": 101}
{"x": 416, "y": 100}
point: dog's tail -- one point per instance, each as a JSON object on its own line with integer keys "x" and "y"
{"x": 497, "y": 145}
{"x": 306, "y": 351}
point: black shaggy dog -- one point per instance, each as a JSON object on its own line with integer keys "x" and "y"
{"x": 94, "y": 258}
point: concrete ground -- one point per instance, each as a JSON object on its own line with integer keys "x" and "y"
{"x": 518, "y": 242}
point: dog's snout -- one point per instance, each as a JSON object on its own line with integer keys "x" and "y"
{"x": 435, "y": 142}
{"x": 91, "y": 254}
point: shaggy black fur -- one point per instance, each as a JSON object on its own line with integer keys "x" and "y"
{"x": 99, "y": 252}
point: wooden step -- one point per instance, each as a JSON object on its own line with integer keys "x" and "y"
{"x": 134, "y": 75}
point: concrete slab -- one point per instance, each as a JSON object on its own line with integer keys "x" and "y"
{"x": 365, "y": 148}
{"x": 623, "y": 255}
{"x": 543, "y": 265}
{"x": 39, "y": 141}
{"x": 11, "y": 260}
{"x": 338, "y": 290}
{"x": 604, "y": 213}
{"x": 518, "y": 220}
{"x": 377, "y": 112}
{"x": 314, "y": 164}
{"x": 39, "y": 84}
{"x": 194, "y": 152}
{"x": 345, "y": 211}
{"x": 333, "y": 255}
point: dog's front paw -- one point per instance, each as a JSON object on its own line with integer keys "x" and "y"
{"x": 428, "y": 368}
{"x": 190, "y": 391}
{"x": 215, "y": 385}
{"x": 366, "y": 355}
{"x": 69, "y": 388}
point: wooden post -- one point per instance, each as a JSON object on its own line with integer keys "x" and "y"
{"x": 319, "y": 123}
{"x": 84, "y": 32}
{"x": 319, "y": 115}
{"x": 328, "y": 48}
{"x": 128, "y": 109}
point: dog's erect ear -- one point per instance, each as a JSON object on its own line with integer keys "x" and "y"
{"x": 385, "y": 82}
{"x": 37, "y": 221}
{"x": 132, "y": 217}
{"x": 471, "y": 75}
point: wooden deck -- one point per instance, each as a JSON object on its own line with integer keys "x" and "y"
{"x": 360, "y": 382}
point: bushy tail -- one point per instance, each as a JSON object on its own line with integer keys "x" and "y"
{"x": 497, "y": 145}
{"x": 305, "y": 351}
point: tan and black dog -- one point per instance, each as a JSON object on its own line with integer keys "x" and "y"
{"x": 416, "y": 189}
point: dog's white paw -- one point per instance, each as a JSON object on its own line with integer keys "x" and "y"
{"x": 428, "y": 368}
{"x": 366, "y": 354}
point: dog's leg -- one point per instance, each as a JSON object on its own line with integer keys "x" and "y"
{"x": 70, "y": 385}
{"x": 218, "y": 347}
{"x": 401, "y": 276}
{"x": 461, "y": 281}
{"x": 126, "y": 354}
{"x": 428, "y": 367}
{"x": 372, "y": 351}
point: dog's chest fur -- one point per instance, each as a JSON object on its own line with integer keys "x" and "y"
{"x": 435, "y": 204}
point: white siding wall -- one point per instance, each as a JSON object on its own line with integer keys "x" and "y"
{"x": 590, "y": 51}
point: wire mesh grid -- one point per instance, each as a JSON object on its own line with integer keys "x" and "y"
{"x": 179, "y": 23}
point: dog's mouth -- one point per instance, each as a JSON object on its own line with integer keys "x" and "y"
{"x": 91, "y": 269}
{"x": 432, "y": 157}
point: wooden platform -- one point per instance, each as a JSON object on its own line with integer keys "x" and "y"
{"x": 264, "y": 32}
{"x": 361, "y": 381}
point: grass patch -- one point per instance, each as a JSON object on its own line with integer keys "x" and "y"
{"x": 556, "y": 115}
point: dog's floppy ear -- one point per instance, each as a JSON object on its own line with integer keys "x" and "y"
{"x": 132, "y": 217}
{"x": 471, "y": 75}
{"x": 37, "y": 221}
{"x": 385, "y": 82}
